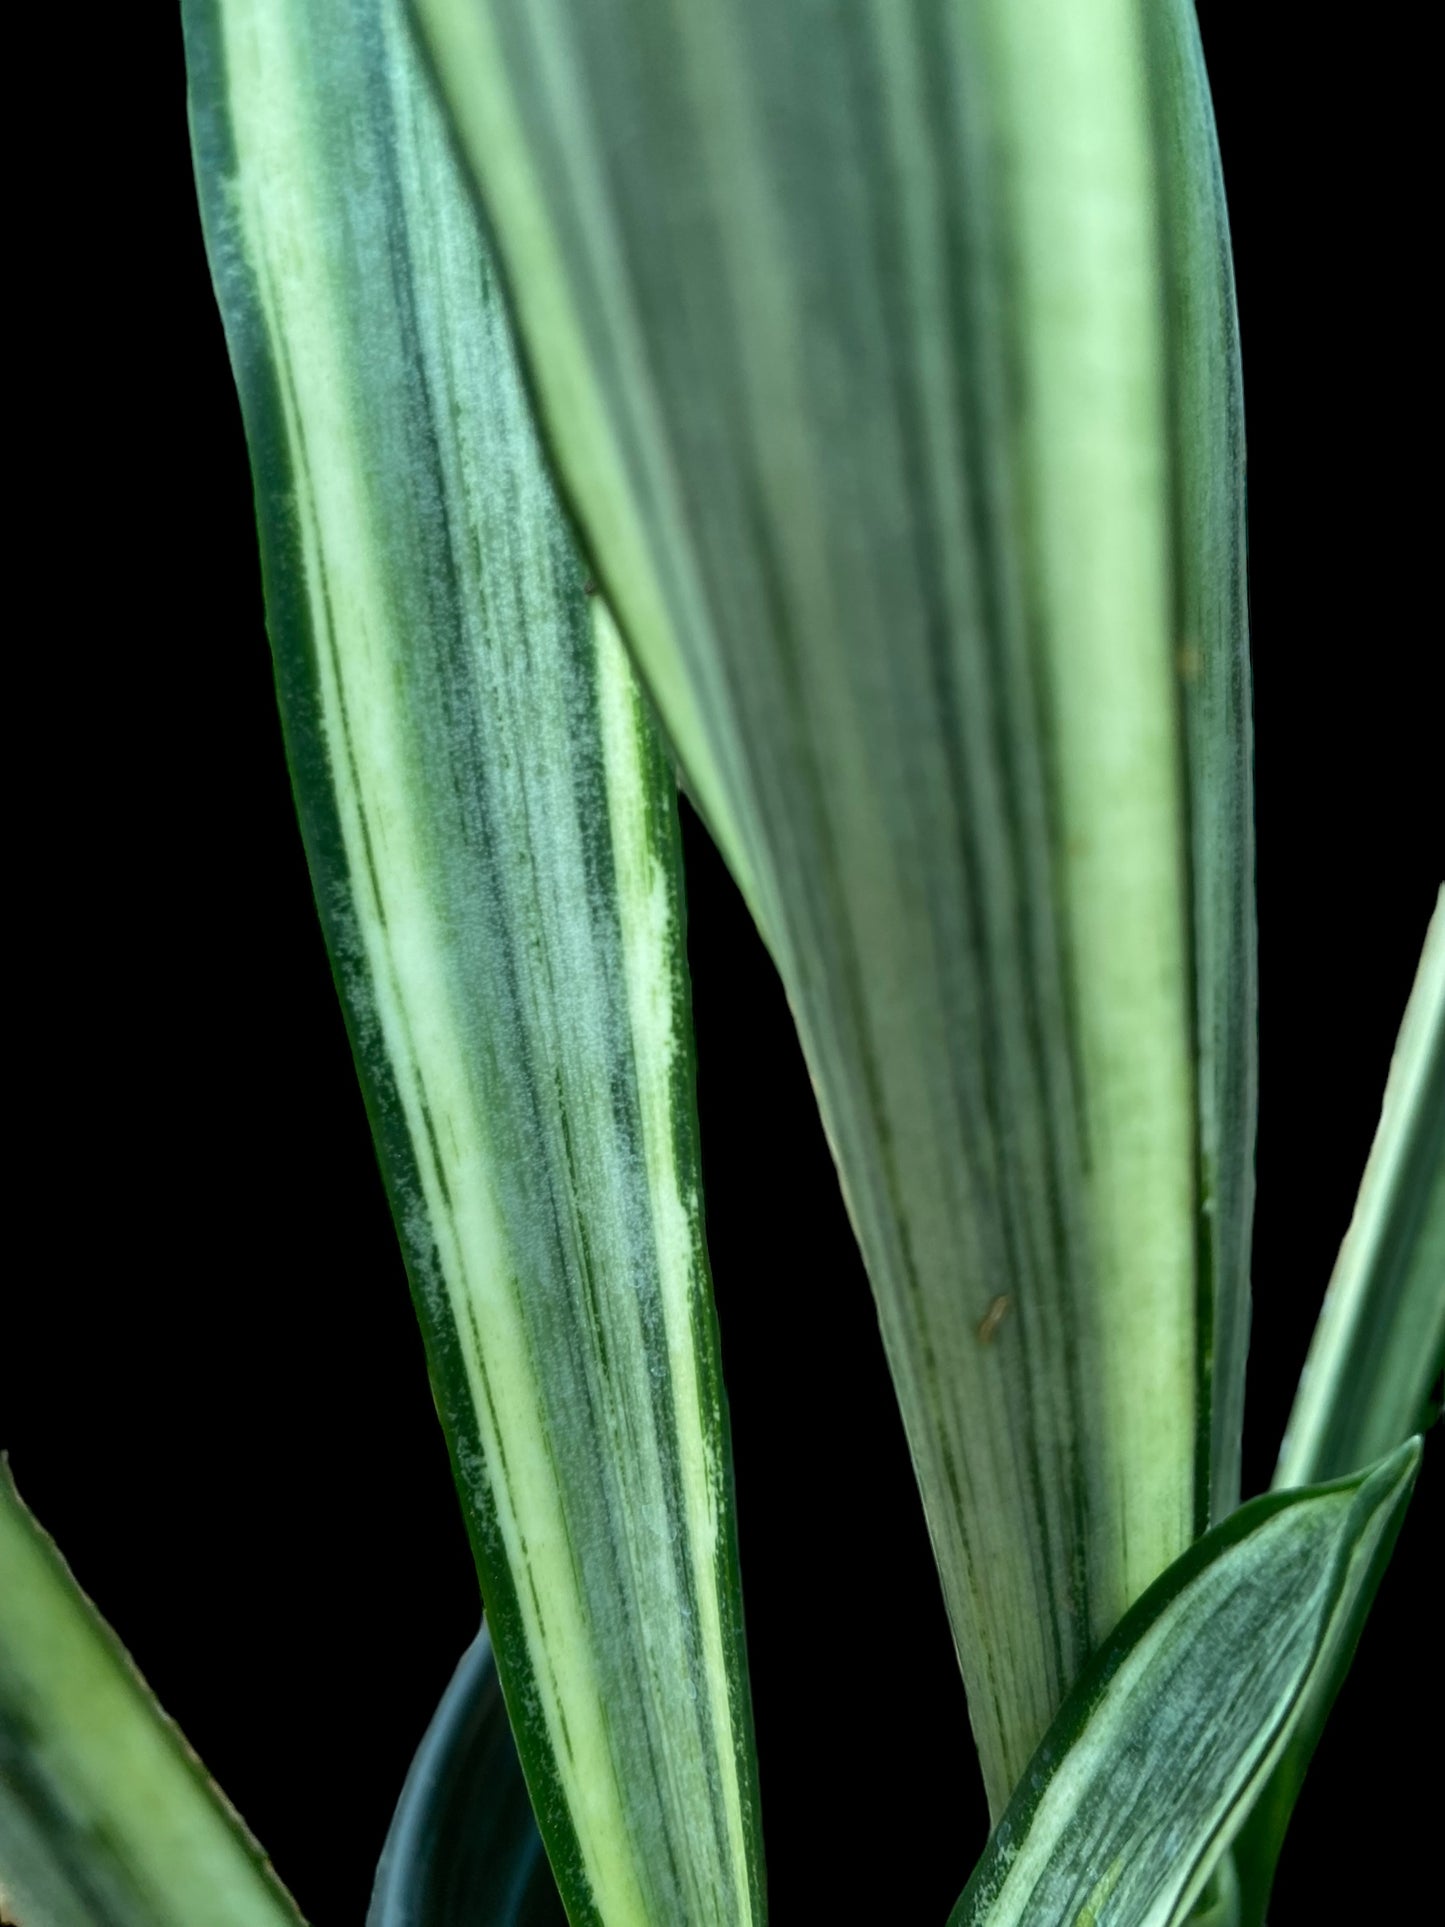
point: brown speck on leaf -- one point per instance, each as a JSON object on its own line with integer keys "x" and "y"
{"x": 1187, "y": 661}
{"x": 992, "y": 1319}
{"x": 589, "y": 587}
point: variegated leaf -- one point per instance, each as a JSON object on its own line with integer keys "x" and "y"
{"x": 1380, "y": 1341}
{"x": 887, "y": 352}
{"x": 1157, "y": 1755}
{"x": 1378, "y": 1347}
{"x": 107, "y": 1818}
{"x": 491, "y": 827}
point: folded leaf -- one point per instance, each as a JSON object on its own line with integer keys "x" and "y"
{"x": 1157, "y": 1754}
{"x": 852, "y": 329}
{"x": 106, "y": 1815}
{"x": 491, "y": 827}
{"x": 463, "y": 1848}
{"x": 1380, "y": 1341}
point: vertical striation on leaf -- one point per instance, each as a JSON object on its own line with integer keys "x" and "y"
{"x": 856, "y": 331}
{"x": 491, "y": 825}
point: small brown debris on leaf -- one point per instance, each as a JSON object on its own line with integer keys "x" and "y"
{"x": 992, "y": 1319}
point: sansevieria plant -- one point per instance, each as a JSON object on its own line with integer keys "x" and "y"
{"x": 831, "y": 407}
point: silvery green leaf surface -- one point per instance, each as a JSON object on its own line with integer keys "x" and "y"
{"x": 491, "y": 826}
{"x": 1160, "y": 1750}
{"x": 107, "y": 1818}
{"x": 887, "y": 354}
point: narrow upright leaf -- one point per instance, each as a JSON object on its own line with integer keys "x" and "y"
{"x": 1155, "y": 1758}
{"x": 491, "y": 827}
{"x": 107, "y": 1818}
{"x": 1212, "y": 632}
{"x": 853, "y": 326}
{"x": 1379, "y": 1345}
{"x": 1380, "y": 1341}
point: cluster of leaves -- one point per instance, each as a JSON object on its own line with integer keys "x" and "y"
{"x": 886, "y": 357}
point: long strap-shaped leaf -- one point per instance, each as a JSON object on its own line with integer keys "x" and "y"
{"x": 491, "y": 826}
{"x": 1212, "y": 633}
{"x": 851, "y": 325}
{"x": 1377, "y": 1349}
{"x": 1153, "y": 1762}
{"x": 106, "y": 1815}
{"x": 1380, "y": 1341}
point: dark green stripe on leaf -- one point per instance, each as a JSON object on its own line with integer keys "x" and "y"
{"x": 490, "y": 823}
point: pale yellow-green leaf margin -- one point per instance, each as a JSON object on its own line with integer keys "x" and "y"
{"x": 107, "y": 1818}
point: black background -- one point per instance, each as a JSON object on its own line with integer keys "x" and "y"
{"x": 213, "y": 1389}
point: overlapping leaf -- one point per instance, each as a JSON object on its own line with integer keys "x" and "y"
{"x": 1211, "y": 630}
{"x": 492, "y": 834}
{"x": 1378, "y": 1347}
{"x": 1380, "y": 1341}
{"x": 887, "y": 352}
{"x": 106, "y": 1815}
{"x": 1153, "y": 1763}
